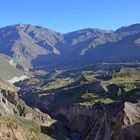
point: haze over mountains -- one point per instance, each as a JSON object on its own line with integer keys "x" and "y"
{"x": 30, "y": 46}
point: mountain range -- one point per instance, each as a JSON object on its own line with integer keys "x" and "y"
{"x": 35, "y": 47}
{"x": 82, "y": 85}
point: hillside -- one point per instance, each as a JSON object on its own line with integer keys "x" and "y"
{"x": 7, "y": 68}
{"x": 21, "y": 122}
{"x": 35, "y": 47}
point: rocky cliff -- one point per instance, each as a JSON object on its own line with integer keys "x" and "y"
{"x": 19, "y": 121}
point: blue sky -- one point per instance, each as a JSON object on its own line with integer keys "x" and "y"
{"x": 69, "y": 15}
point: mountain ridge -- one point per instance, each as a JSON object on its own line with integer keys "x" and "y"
{"x": 34, "y": 46}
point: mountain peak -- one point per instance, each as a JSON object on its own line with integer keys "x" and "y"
{"x": 22, "y": 26}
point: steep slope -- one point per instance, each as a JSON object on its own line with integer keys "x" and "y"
{"x": 84, "y": 35}
{"x": 131, "y": 28}
{"x": 125, "y": 47}
{"x": 37, "y": 47}
{"x": 8, "y": 68}
{"x": 25, "y": 42}
{"x": 21, "y": 122}
{"x": 70, "y": 49}
{"x": 95, "y": 45}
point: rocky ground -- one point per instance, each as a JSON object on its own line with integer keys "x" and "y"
{"x": 21, "y": 122}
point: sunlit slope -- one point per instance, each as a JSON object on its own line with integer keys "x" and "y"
{"x": 7, "y": 71}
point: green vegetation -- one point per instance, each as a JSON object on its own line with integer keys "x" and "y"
{"x": 90, "y": 96}
{"x": 87, "y": 104}
{"x": 76, "y": 86}
{"x": 45, "y": 94}
{"x": 86, "y": 87}
{"x": 119, "y": 79}
{"x": 130, "y": 86}
{"x": 58, "y": 83}
{"x": 33, "y": 80}
{"x": 90, "y": 77}
{"x": 90, "y": 99}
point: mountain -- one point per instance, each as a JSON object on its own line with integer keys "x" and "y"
{"x": 131, "y": 28}
{"x": 78, "y": 97}
{"x": 35, "y": 47}
{"x": 25, "y": 42}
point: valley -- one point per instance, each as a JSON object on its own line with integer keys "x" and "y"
{"x": 80, "y": 98}
{"x": 83, "y": 85}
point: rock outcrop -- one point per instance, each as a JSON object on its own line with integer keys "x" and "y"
{"x": 131, "y": 122}
{"x": 11, "y": 104}
{"x": 107, "y": 124}
{"x": 19, "y": 121}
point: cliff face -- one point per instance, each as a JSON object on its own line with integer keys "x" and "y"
{"x": 116, "y": 124}
{"x": 131, "y": 122}
{"x": 11, "y": 104}
{"x": 18, "y": 121}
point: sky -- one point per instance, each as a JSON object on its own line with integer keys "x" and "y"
{"x": 69, "y": 15}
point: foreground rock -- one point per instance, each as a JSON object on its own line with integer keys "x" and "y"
{"x": 21, "y": 122}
